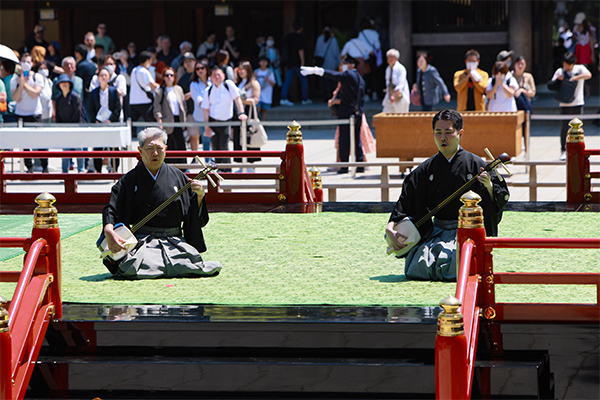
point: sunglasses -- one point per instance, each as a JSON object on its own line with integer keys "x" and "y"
{"x": 200, "y": 68}
{"x": 169, "y": 75}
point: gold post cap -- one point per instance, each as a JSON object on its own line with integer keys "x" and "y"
{"x": 450, "y": 321}
{"x": 575, "y": 131}
{"x": 314, "y": 171}
{"x": 294, "y": 136}
{"x": 45, "y": 214}
{"x": 470, "y": 215}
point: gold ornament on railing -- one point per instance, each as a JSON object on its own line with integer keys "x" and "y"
{"x": 576, "y": 131}
{"x": 294, "y": 136}
{"x": 470, "y": 215}
{"x": 45, "y": 214}
{"x": 450, "y": 321}
{"x": 315, "y": 178}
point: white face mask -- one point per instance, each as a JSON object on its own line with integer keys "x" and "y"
{"x": 270, "y": 43}
{"x": 110, "y": 68}
{"x": 502, "y": 77}
{"x": 44, "y": 72}
{"x": 508, "y": 63}
{"x": 471, "y": 65}
{"x": 26, "y": 66}
{"x": 344, "y": 67}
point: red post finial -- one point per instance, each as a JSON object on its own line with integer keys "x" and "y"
{"x": 298, "y": 186}
{"x": 450, "y": 352}
{"x": 46, "y": 226}
{"x": 575, "y": 162}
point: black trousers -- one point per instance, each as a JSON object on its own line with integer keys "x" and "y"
{"x": 28, "y": 161}
{"x": 115, "y": 162}
{"x": 344, "y": 142}
{"x": 176, "y": 141}
{"x": 220, "y": 141}
{"x": 139, "y": 111}
{"x": 564, "y": 126}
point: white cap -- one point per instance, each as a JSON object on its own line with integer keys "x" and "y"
{"x": 579, "y": 18}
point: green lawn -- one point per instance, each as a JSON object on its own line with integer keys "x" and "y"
{"x": 314, "y": 259}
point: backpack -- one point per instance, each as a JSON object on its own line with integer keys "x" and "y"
{"x": 211, "y": 86}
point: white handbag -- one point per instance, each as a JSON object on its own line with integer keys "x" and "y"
{"x": 257, "y": 136}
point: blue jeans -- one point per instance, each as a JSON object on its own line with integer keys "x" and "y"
{"x": 205, "y": 144}
{"x": 66, "y": 163}
{"x": 289, "y": 76}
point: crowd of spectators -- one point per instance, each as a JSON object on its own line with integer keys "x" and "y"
{"x": 162, "y": 84}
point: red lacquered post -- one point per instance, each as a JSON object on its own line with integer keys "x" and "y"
{"x": 45, "y": 225}
{"x": 294, "y": 160}
{"x": 5, "y": 353}
{"x": 450, "y": 353}
{"x": 317, "y": 184}
{"x": 575, "y": 162}
{"x": 470, "y": 226}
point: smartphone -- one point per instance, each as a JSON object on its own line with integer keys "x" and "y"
{"x": 26, "y": 73}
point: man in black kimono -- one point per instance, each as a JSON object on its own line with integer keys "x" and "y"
{"x": 434, "y": 257}
{"x": 351, "y": 96}
{"x": 161, "y": 250}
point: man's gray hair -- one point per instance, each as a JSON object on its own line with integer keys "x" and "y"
{"x": 185, "y": 44}
{"x": 393, "y": 52}
{"x": 68, "y": 58}
{"x": 151, "y": 133}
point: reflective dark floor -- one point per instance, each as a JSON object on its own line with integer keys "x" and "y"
{"x": 219, "y": 313}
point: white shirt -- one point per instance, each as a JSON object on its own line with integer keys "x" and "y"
{"x": 91, "y": 54}
{"x": 577, "y": 70}
{"x": 172, "y": 98}
{"x": 120, "y": 83}
{"x": 501, "y": 101}
{"x": 104, "y": 98}
{"x": 197, "y": 90}
{"x": 140, "y": 76}
{"x": 219, "y": 100}
{"x": 28, "y": 105}
{"x": 266, "y": 90}
{"x": 357, "y": 48}
{"x": 242, "y": 89}
{"x": 397, "y": 77}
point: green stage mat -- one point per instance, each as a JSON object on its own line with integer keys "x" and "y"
{"x": 321, "y": 259}
{"x": 20, "y": 226}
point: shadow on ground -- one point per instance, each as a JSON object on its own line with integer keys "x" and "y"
{"x": 389, "y": 278}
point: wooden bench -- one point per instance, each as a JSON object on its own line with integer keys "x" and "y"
{"x": 410, "y": 135}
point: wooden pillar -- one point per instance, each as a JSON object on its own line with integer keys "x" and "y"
{"x": 289, "y": 15}
{"x": 159, "y": 19}
{"x": 519, "y": 29}
{"x": 401, "y": 32}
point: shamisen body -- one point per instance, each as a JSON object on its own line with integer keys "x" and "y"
{"x": 170, "y": 244}
{"x": 434, "y": 255}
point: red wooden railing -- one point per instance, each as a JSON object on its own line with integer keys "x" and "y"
{"x": 579, "y": 176}
{"x": 293, "y": 179}
{"x": 36, "y": 300}
{"x": 475, "y": 292}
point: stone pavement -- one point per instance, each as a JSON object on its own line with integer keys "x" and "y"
{"x": 319, "y": 149}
